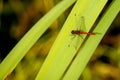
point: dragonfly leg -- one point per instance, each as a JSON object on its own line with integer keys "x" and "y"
{"x": 72, "y": 37}
{"x": 80, "y": 36}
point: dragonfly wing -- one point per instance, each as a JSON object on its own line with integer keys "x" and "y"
{"x": 81, "y": 24}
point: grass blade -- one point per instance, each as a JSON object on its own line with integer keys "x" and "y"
{"x": 19, "y": 51}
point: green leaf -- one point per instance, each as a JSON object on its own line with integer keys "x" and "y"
{"x": 19, "y": 51}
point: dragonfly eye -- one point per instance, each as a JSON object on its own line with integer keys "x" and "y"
{"x": 72, "y": 31}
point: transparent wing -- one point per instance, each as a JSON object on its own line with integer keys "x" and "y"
{"x": 80, "y": 25}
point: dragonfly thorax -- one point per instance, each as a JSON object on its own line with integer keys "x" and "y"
{"x": 75, "y": 32}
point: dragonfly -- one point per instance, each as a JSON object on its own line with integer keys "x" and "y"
{"x": 81, "y": 32}
{"x": 82, "y": 24}
{"x": 78, "y": 32}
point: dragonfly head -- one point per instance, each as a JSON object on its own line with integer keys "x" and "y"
{"x": 72, "y": 31}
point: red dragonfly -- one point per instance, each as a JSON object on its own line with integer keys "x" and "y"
{"x": 81, "y": 32}
{"x": 81, "y": 22}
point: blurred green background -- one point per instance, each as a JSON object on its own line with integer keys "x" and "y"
{"x": 18, "y": 16}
